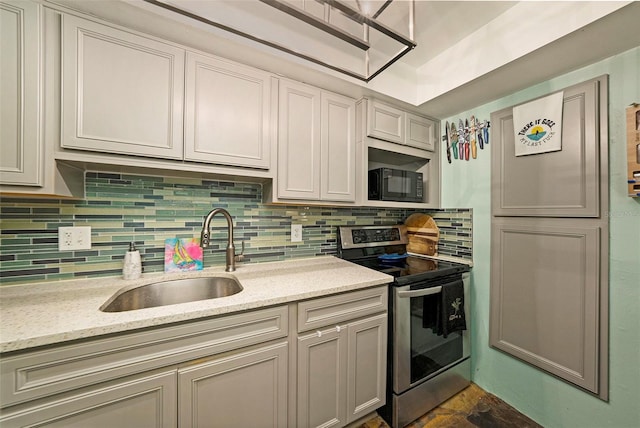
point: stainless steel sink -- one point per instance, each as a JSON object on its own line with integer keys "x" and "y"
{"x": 172, "y": 292}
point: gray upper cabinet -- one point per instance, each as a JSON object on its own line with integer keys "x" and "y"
{"x": 337, "y": 148}
{"x": 389, "y": 123}
{"x": 557, "y": 184}
{"x": 385, "y": 122}
{"x": 122, "y": 93}
{"x": 227, "y": 113}
{"x": 20, "y": 84}
{"x": 316, "y": 144}
{"x": 298, "y": 141}
{"x": 420, "y": 132}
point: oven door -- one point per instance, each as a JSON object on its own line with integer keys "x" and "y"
{"x": 419, "y": 353}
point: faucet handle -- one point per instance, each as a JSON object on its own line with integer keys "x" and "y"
{"x": 240, "y": 257}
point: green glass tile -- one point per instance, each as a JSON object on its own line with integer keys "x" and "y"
{"x": 177, "y": 209}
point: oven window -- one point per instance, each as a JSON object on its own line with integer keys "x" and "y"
{"x": 430, "y": 352}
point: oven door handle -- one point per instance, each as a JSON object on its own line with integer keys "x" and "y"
{"x": 419, "y": 293}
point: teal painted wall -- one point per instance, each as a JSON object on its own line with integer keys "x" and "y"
{"x": 549, "y": 401}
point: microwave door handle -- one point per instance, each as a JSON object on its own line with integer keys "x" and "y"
{"x": 420, "y": 293}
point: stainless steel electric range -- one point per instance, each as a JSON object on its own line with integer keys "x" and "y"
{"x": 424, "y": 367}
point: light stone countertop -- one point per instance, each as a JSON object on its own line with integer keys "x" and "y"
{"x": 48, "y": 313}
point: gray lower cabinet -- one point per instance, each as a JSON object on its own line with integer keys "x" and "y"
{"x": 342, "y": 367}
{"x": 322, "y": 379}
{"x": 140, "y": 401}
{"x": 242, "y": 389}
{"x": 235, "y": 370}
{"x": 134, "y": 379}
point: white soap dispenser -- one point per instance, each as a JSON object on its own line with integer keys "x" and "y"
{"x": 132, "y": 266}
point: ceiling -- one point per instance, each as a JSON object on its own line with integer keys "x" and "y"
{"x": 472, "y": 52}
{"x": 441, "y": 24}
{"x": 468, "y": 52}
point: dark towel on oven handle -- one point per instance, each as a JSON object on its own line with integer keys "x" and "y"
{"x": 451, "y": 316}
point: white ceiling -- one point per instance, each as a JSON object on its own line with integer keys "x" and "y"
{"x": 468, "y": 52}
{"x": 441, "y": 24}
{"x": 510, "y": 46}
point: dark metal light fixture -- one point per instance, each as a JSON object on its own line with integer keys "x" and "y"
{"x": 359, "y": 38}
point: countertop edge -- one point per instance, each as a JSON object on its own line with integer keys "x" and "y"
{"x": 258, "y": 295}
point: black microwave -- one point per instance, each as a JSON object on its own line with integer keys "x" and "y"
{"x": 388, "y": 184}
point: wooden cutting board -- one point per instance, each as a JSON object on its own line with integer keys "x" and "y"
{"x": 423, "y": 234}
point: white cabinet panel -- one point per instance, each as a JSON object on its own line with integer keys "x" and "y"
{"x": 136, "y": 402}
{"x": 20, "y": 83}
{"x": 242, "y": 389}
{"x": 227, "y": 113}
{"x": 316, "y": 144}
{"x": 322, "y": 379}
{"x": 385, "y": 122}
{"x": 366, "y": 366}
{"x": 338, "y": 148}
{"x": 299, "y": 141}
{"x": 122, "y": 93}
{"x": 420, "y": 132}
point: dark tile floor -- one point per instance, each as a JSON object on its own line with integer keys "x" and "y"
{"x": 473, "y": 407}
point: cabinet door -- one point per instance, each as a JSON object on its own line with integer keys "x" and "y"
{"x": 385, "y": 122}
{"x": 239, "y": 389}
{"x": 20, "y": 126}
{"x": 123, "y": 93}
{"x": 557, "y": 184}
{"x": 137, "y": 402}
{"x": 227, "y": 112}
{"x": 299, "y": 141}
{"x": 322, "y": 379}
{"x": 421, "y": 132}
{"x": 367, "y": 366}
{"x": 545, "y": 292}
{"x": 338, "y": 148}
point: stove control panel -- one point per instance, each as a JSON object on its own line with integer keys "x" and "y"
{"x": 372, "y": 236}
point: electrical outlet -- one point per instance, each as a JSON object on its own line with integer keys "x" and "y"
{"x": 296, "y": 233}
{"x": 74, "y": 238}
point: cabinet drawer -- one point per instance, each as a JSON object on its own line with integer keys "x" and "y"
{"x": 36, "y": 374}
{"x": 325, "y": 311}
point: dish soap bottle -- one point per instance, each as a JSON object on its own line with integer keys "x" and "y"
{"x": 132, "y": 267}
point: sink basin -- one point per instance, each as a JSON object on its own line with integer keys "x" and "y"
{"x": 172, "y": 292}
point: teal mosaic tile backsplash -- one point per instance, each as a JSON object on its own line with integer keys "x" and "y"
{"x": 123, "y": 208}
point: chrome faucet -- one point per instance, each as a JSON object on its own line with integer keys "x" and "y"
{"x": 205, "y": 235}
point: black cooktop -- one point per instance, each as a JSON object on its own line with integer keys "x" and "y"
{"x": 413, "y": 269}
{"x": 364, "y": 245}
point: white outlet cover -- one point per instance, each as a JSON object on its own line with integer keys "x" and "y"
{"x": 74, "y": 238}
{"x": 296, "y": 233}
